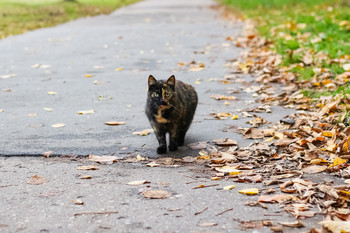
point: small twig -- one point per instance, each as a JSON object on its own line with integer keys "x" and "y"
{"x": 205, "y": 186}
{"x": 93, "y": 213}
{"x": 223, "y": 212}
{"x": 272, "y": 214}
{"x": 201, "y": 211}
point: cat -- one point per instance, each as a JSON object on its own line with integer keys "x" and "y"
{"x": 170, "y": 109}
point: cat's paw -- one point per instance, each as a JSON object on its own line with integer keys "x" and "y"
{"x": 173, "y": 147}
{"x": 161, "y": 150}
{"x": 181, "y": 142}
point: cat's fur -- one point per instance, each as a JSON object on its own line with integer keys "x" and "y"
{"x": 170, "y": 108}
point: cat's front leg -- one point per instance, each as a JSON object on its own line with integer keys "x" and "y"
{"x": 162, "y": 142}
{"x": 174, "y": 137}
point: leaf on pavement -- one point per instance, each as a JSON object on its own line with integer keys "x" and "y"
{"x": 229, "y": 187}
{"x": 36, "y": 180}
{"x": 314, "y": 169}
{"x": 115, "y": 123}
{"x": 198, "y": 145}
{"x": 86, "y": 112}
{"x": 143, "y": 132}
{"x": 207, "y": 224}
{"x": 297, "y": 223}
{"x": 156, "y": 194}
{"x": 222, "y": 97}
{"x": 250, "y": 191}
{"x": 47, "y": 154}
{"x": 275, "y": 198}
{"x": 88, "y": 167}
{"x": 138, "y": 182}
{"x": 225, "y": 142}
{"x": 51, "y": 93}
{"x": 58, "y": 125}
{"x": 106, "y": 159}
{"x": 336, "y": 226}
{"x": 152, "y": 164}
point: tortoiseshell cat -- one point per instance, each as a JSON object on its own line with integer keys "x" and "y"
{"x": 170, "y": 109}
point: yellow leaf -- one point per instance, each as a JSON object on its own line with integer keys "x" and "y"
{"x": 181, "y": 64}
{"x": 143, "y": 132}
{"x": 318, "y": 161}
{"x": 51, "y": 93}
{"x": 279, "y": 135}
{"x": 327, "y": 134}
{"x": 216, "y": 178}
{"x": 269, "y": 139}
{"x": 336, "y": 226}
{"x": 235, "y": 173}
{"x": 88, "y": 75}
{"x": 48, "y": 109}
{"x": 229, "y": 187}
{"x": 338, "y": 161}
{"x": 119, "y": 69}
{"x": 234, "y": 117}
{"x": 227, "y": 103}
{"x": 197, "y": 82}
{"x": 251, "y": 191}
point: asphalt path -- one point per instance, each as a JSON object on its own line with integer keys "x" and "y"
{"x": 102, "y": 64}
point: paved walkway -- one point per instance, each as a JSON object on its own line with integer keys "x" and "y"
{"x": 78, "y": 63}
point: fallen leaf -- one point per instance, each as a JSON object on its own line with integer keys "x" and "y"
{"x": 338, "y": 161}
{"x": 119, "y": 69}
{"x": 143, "y": 132}
{"x": 228, "y": 169}
{"x": 297, "y": 223}
{"x": 314, "y": 169}
{"x": 140, "y": 158}
{"x": 115, "y": 123}
{"x": 222, "y": 97}
{"x": 85, "y": 177}
{"x": 152, "y": 164}
{"x": 225, "y": 142}
{"x": 86, "y": 112}
{"x": 188, "y": 159}
{"x": 138, "y": 182}
{"x": 198, "y": 145}
{"x": 78, "y": 202}
{"x": 229, "y": 187}
{"x": 7, "y": 76}
{"x": 58, "y": 125}
{"x": 156, "y": 194}
{"x": 48, "y": 109}
{"x": 207, "y": 224}
{"x": 336, "y": 226}
{"x": 51, "y": 93}
{"x": 36, "y": 180}
{"x": 251, "y": 191}
{"x": 103, "y": 159}
{"x": 47, "y": 154}
{"x": 275, "y": 198}
{"x": 88, "y": 167}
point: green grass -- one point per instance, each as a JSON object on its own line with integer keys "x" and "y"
{"x": 19, "y": 16}
{"x": 320, "y": 28}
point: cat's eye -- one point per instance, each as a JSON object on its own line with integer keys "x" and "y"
{"x": 167, "y": 94}
{"x": 155, "y": 94}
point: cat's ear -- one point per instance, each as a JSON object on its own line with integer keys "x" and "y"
{"x": 151, "y": 81}
{"x": 171, "y": 81}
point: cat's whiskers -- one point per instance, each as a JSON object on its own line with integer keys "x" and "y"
{"x": 174, "y": 107}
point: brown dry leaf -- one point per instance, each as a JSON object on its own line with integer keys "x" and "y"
{"x": 275, "y": 198}
{"x": 257, "y": 121}
{"x": 253, "y": 133}
{"x": 188, "y": 159}
{"x": 83, "y": 177}
{"x": 314, "y": 169}
{"x": 198, "y": 145}
{"x": 207, "y": 224}
{"x": 152, "y": 164}
{"x": 336, "y": 226}
{"x": 103, "y": 159}
{"x": 88, "y": 167}
{"x": 36, "y": 180}
{"x": 225, "y": 142}
{"x": 297, "y": 223}
{"x": 228, "y": 169}
{"x": 156, "y": 194}
{"x": 138, "y": 182}
{"x": 222, "y": 97}
{"x": 115, "y": 123}
{"x": 143, "y": 132}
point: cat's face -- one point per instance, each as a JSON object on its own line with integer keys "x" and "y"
{"x": 161, "y": 93}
